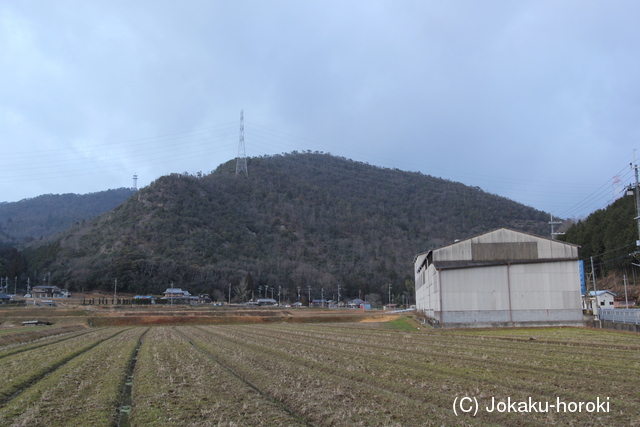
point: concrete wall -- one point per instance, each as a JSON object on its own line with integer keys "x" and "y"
{"x": 605, "y": 324}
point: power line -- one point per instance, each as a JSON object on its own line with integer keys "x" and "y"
{"x": 218, "y": 139}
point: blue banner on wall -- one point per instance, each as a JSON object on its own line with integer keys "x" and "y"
{"x": 583, "y": 283}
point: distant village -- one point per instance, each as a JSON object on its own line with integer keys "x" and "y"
{"x": 45, "y": 295}
{"x": 500, "y": 278}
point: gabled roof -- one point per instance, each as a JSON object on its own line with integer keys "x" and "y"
{"x": 503, "y": 229}
{"x": 600, "y": 293}
{"x": 44, "y": 287}
{"x": 4, "y": 296}
{"x": 497, "y": 247}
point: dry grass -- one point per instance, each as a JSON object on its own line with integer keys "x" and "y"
{"x": 84, "y": 391}
{"x": 333, "y": 374}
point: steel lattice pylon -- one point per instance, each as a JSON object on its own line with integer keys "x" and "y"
{"x": 241, "y": 161}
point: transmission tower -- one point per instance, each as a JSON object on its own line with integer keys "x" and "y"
{"x": 135, "y": 182}
{"x": 241, "y": 161}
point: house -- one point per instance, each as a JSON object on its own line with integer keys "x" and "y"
{"x": 601, "y": 299}
{"x": 46, "y": 292}
{"x": 501, "y": 278}
{"x": 177, "y": 296}
{"x": 355, "y": 303}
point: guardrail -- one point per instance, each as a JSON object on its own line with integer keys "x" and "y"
{"x": 621, "y": 315}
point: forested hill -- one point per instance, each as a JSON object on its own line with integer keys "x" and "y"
{"x": 301, "y": 219}
{"x": 606, "y": 234}
{"x": 46, "y": 215}
{"x": 609, "y": 236}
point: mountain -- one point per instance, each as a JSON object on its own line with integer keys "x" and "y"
{"x": 298, "y": 220}
{"x": 46, "y": 215}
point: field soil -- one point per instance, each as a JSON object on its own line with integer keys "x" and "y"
{"x": 71, "y": 312}
{"x": 393, "y": 373}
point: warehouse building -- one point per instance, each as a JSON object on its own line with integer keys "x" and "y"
{"x": 501, "y": 278}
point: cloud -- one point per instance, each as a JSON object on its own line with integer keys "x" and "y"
{"x": 536, "y": 101}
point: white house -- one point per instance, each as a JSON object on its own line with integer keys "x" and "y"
{"x": 601, "y": 299}
{"x": 501, "y": 278}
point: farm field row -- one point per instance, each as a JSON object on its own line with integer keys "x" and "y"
{"x": 318, "y": 374}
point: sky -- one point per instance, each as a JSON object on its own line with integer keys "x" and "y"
{"x": 536, "y": 101}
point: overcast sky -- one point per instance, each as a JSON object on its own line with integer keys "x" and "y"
{"x": 537, "y": 101}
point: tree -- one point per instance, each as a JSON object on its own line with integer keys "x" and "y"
{"x": 374, "y": 299}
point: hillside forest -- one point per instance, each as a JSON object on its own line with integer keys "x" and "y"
{"x": 43, "y": 216}
{"x": 299, "y": 223}
{"x": 609, "y": 237}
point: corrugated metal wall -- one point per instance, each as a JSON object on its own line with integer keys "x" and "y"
{"x": 513, "y": 293}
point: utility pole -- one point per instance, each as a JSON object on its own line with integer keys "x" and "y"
{"x": 338, "y": 294}
{"x": 115, "y": 287}
{"x": 309, "y": 300}
{"x": 626, "y": 299}
{"x": 241, "y": 160}
{"x": 279, "y": 299}
{"x": 229, "y": 293}
{"x": 637, "y": 218}
{"x": 15, "y": 286}
{"x": 595, "y": 289}
{"x": 552, "y": 223}
{"x": 389, "y": 293}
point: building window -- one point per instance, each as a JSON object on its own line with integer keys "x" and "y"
{"x": 601, "y": 302}
{"x": 610, "y": 302}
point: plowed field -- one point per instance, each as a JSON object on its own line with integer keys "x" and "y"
{"x": 321, "y": 375}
